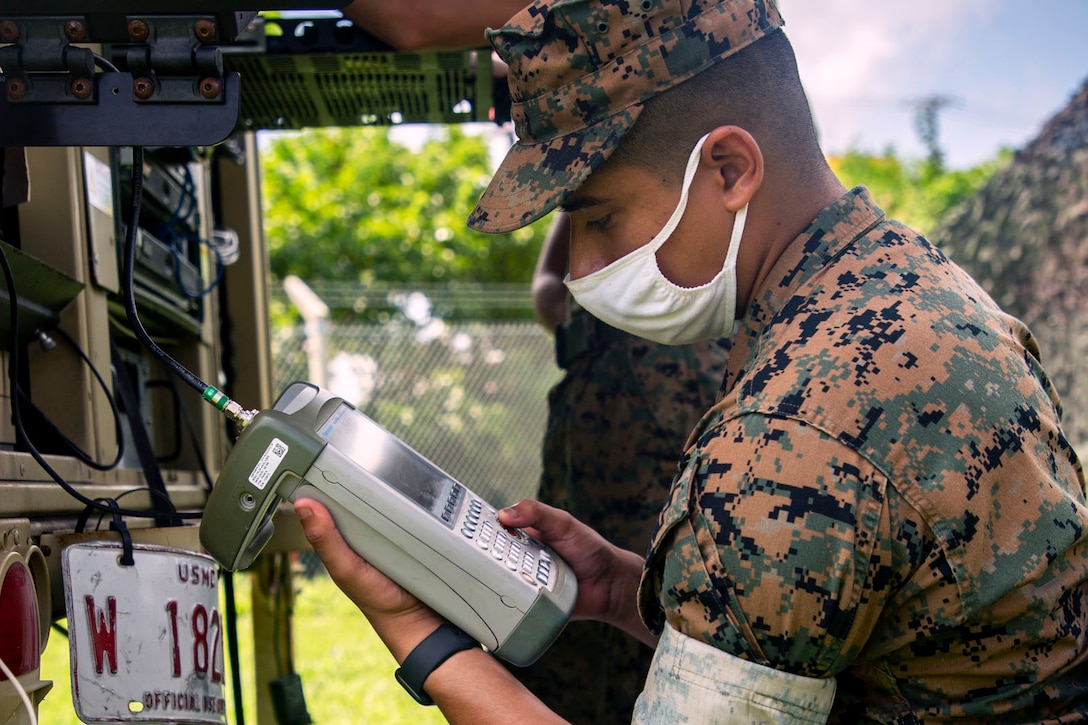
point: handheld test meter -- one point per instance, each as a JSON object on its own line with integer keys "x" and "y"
{"x": 428, "y": 532}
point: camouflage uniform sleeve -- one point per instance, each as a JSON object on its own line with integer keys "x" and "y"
{"x": 781, "y": 546}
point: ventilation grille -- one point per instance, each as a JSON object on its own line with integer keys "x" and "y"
{"x": 326, "y": 72}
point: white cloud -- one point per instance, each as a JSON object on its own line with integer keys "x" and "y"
{"x": 846, "y": 45}
{"x": 863, "y": 62}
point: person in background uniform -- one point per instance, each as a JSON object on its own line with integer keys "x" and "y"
{"x": 881, "y": 519}
{"x": 616, "y": 422}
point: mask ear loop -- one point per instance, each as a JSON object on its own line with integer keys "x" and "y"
{"x": 651, "y": 247}
{"x": 734, "y": 239}
{"x": 681, "y": 206}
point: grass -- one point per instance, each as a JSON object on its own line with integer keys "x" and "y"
{"x": 347, "y": 674}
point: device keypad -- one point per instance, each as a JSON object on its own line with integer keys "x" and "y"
{"x": 451, "y": 503}
{"x": 508, "y": 547}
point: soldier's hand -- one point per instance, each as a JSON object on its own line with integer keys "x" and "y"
{"x": 607, "y": 576}
{"x": 551, "y": 301}
{"x": 371, "y": 590}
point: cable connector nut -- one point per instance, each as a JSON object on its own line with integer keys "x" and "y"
{"x": 238, "y": 414}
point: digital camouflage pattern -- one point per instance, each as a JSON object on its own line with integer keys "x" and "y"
{"x": 617, "y": 423}
{"x": 579, "y": 72}
{"x": 884, "y": 493}
{"x": 688, "y": 686}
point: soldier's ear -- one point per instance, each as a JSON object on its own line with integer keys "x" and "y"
{"x": 737, "y": 160}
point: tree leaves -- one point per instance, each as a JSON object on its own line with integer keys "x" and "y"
{"x": 350, "y": 204}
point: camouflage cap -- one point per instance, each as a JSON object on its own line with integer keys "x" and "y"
{"x": 579, "y": 73}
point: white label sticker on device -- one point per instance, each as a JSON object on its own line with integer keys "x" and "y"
{"x": 265, "y": 469}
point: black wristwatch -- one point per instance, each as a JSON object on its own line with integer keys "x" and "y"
{"x": 439, "y": 646}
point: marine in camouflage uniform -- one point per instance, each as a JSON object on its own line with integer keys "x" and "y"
{"x": 616, "y": 423}
{"x": 883, "y": 502}
{"x": 884, "y": 494}
{"x": 881, "y": 519}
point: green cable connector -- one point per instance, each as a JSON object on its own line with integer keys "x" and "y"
{"x": 224, "y": 404}
{"x": 216, "y": 397}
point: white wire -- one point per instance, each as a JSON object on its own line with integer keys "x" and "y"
{"x": 22, "y": 693}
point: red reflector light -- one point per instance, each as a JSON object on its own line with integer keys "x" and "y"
{"x": 18, "y": 618}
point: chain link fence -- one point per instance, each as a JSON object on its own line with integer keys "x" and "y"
{"x": 470, "y": 396}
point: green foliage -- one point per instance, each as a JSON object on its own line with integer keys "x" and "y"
{"x": 346, "y": 670}
{"x": 350, "y": 204}
{"x": 365, "y": 220}
{"x": 917, "y": 193}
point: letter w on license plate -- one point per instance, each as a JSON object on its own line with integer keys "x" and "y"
{"x": 146, "y": 640}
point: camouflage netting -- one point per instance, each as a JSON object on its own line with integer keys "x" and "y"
{"x": 1025, "y": 238}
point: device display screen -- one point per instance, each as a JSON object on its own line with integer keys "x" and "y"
{"x": 384, "y": 455}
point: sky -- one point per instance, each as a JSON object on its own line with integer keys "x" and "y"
{"x": 1004, "y": 67}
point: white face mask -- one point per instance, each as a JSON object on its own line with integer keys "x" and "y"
{"x": 633, "y": 295}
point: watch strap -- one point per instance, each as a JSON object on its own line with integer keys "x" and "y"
{"x": 438, "y": 647}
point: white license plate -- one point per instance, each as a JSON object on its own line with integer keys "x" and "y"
{"x": 146, "y": 640}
